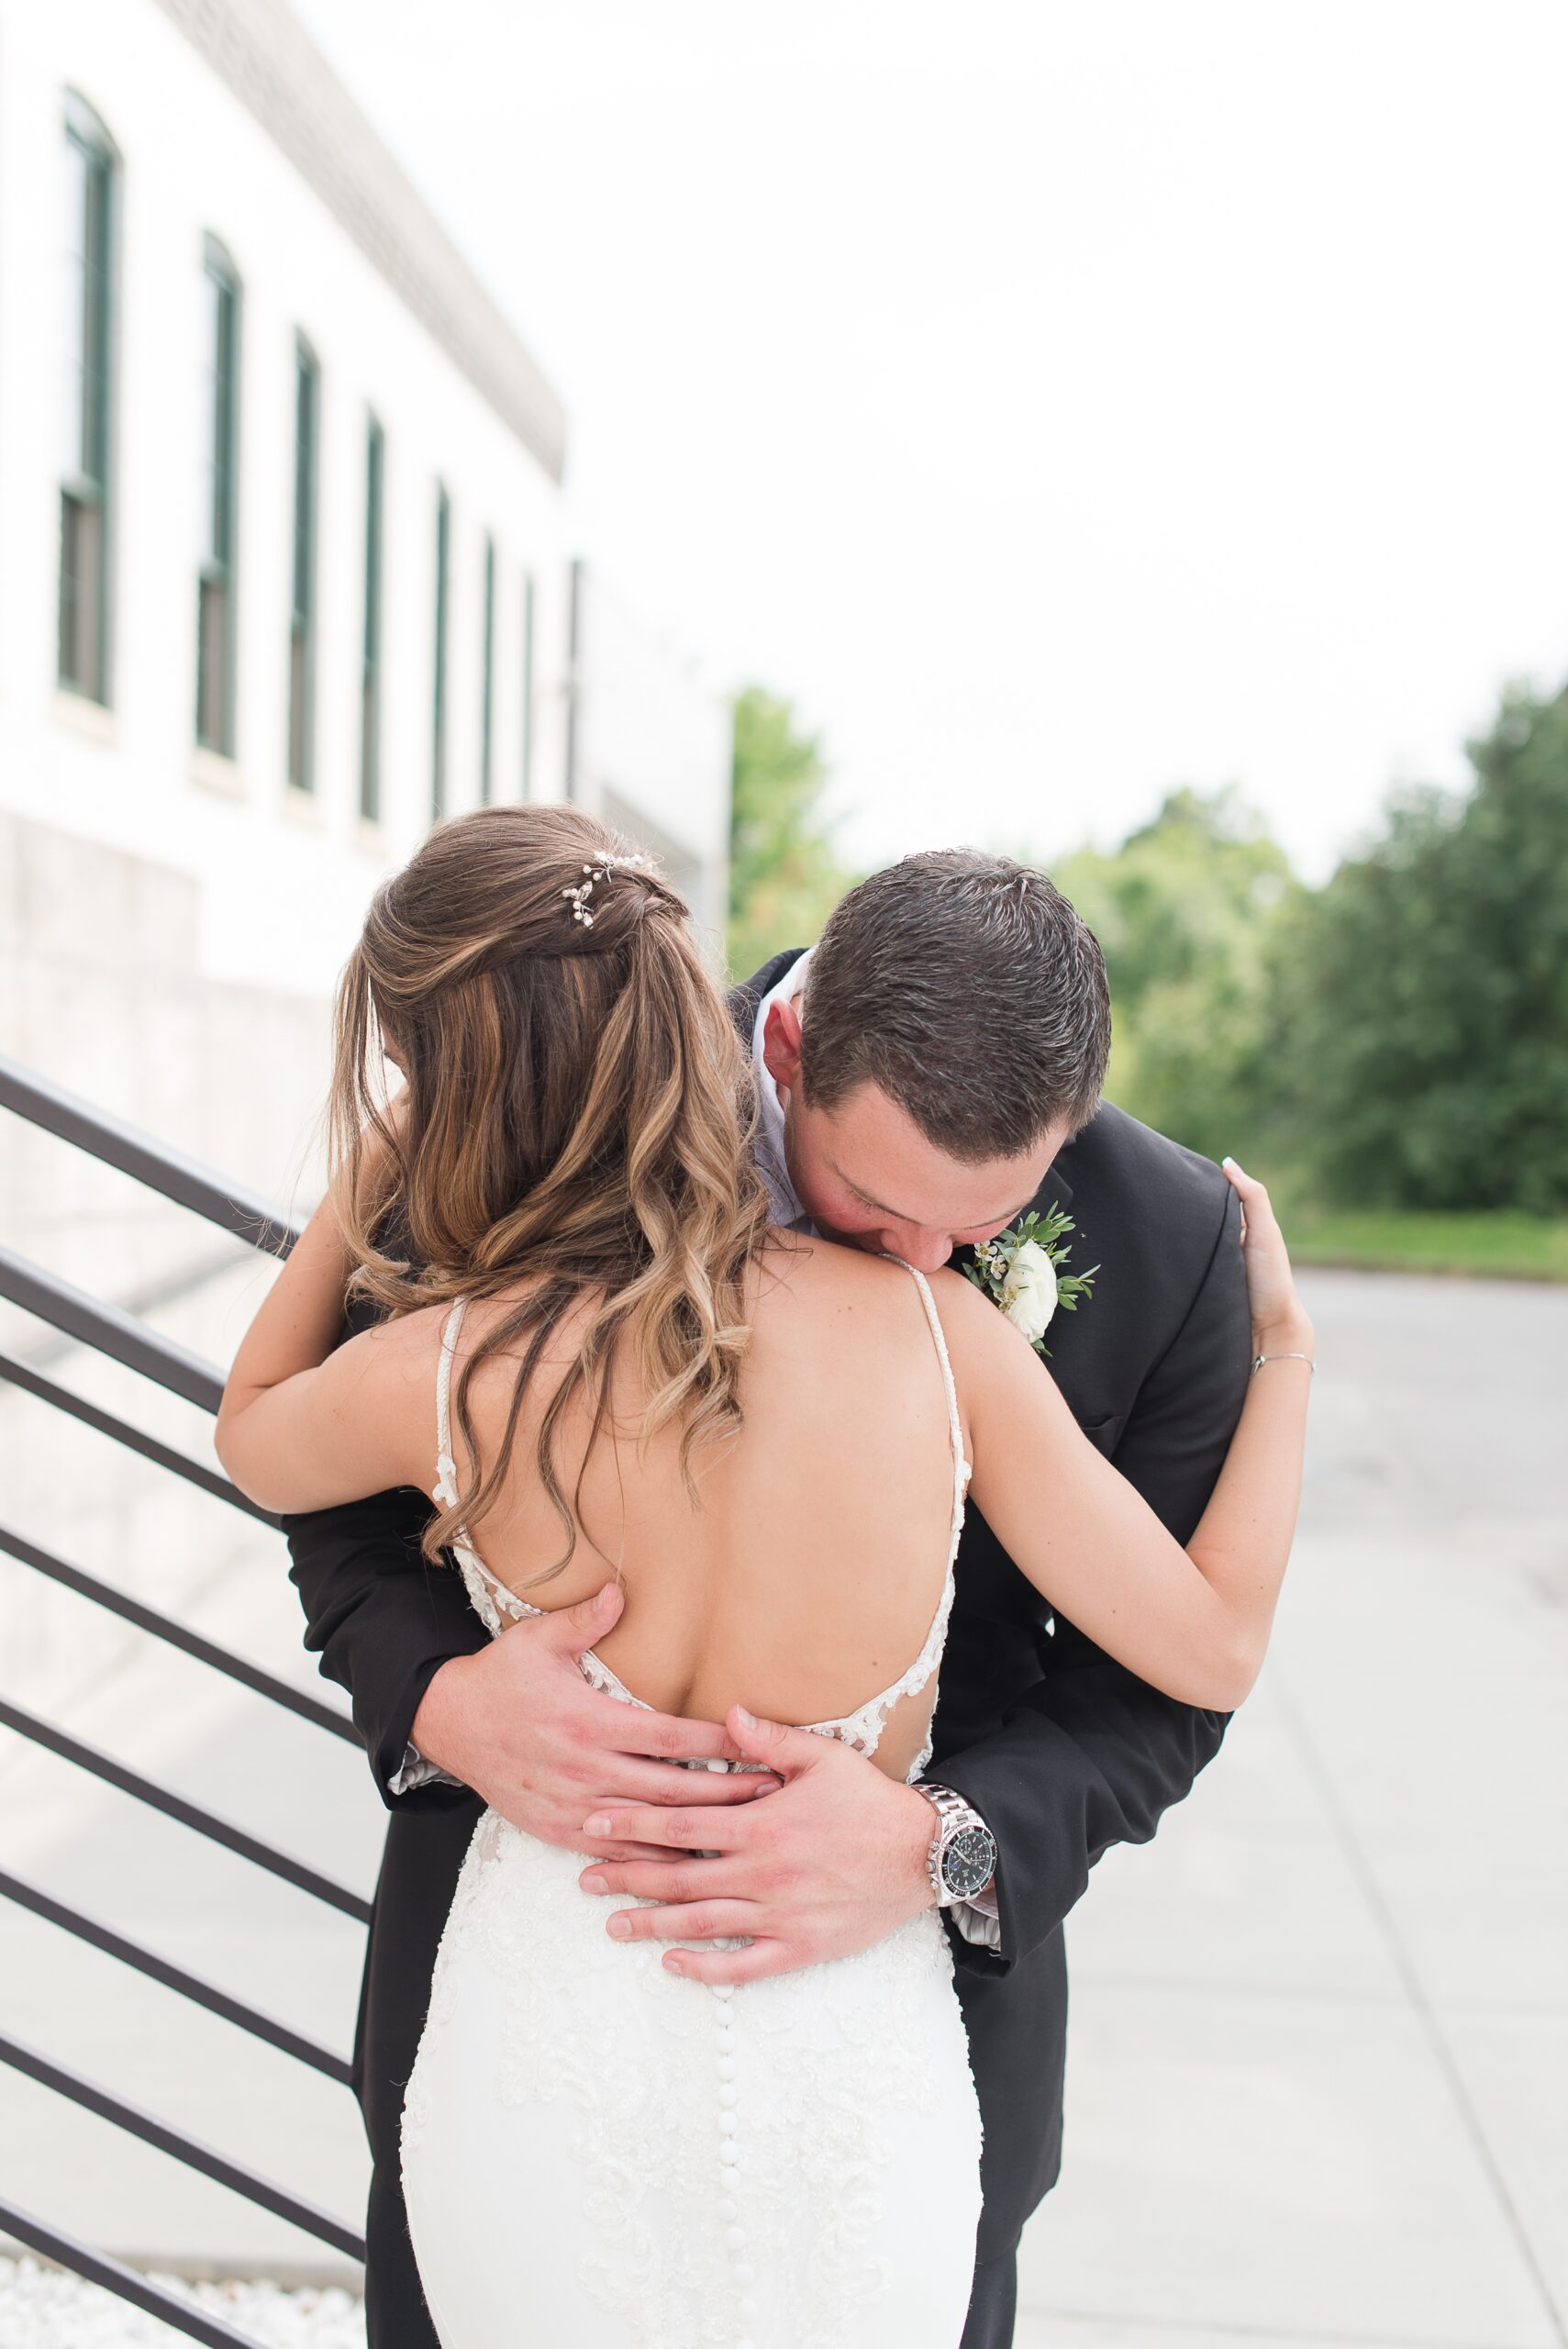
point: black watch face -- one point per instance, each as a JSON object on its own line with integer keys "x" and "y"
{"x": 969, "y": 1861}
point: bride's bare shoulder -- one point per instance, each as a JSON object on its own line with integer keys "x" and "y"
{"x": 971, "y": 1322}
{"x": 817, "y": 1293}
{"x": 813, "y": 1282}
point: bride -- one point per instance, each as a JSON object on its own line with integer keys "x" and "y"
{"x": 596, "y": 1352}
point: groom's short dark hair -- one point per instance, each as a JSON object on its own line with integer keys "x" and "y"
{"x": 969, "y": 989}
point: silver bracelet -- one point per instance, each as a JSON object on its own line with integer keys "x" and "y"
{"x": 1261, "y": 1359}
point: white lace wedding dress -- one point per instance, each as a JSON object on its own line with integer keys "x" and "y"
{"x": 598, "y": 2155}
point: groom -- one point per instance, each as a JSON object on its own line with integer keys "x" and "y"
{"x": 928, "y": 1073}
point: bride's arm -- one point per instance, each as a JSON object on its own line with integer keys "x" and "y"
{"x": 307, "y": 1423}
{"x": 1193, "y": 1622}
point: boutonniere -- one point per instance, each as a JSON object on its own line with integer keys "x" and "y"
{"x": 1021, "y": 1271}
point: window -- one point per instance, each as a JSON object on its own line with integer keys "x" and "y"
{"x": 84, "y": 647}
{"x": 216, "y": 592}
{"x": 528, "y": 683}
{"x": 370, "y": 674}
{"x": 487, "y": 688}
{"x": 439, "y": 686}
{"x": 302, "y": 602}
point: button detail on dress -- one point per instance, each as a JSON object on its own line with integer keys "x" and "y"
{"x": 727, "y": 2206}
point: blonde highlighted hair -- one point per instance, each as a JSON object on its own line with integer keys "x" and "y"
{"x": 578, "y": 1115}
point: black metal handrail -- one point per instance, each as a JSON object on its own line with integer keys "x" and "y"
{"x": 175, "y": 1978}
{"x": 109, "y": 1331}
{"x": 151, "y": 1164}
{"x": 137, "y": 2122}
{"x": 120, "y": 1336}
{"x": 189, "y": 1814}
{"x": 163, "y": 1627}
{"x": 163, "y": 1456}
{"x": 124, "y": 2282}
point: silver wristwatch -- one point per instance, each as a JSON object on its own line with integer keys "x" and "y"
{"x": 963, "y": 1857}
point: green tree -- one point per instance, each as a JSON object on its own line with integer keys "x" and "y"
{"x": 785, "y": 874}
{"x": 1182, "y": 910}
{"x": 1418, "y": 1020}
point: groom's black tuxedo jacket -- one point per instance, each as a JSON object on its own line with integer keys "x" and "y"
{"x": 1062, "y": 1750}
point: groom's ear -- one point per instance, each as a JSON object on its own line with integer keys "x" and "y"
{"x": 781, "y": 1045}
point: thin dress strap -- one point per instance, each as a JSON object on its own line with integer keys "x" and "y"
{"x": 445, "y": 1493}
{"x": 955, "y": 1425}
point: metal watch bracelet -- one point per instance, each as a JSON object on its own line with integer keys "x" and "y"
{"x": 956, "y": 1819}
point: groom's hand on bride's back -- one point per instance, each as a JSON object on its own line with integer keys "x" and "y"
{"x": 519, "y": 1723}
{"x": 832, "y": 1862}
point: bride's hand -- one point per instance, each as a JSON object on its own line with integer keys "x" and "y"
{"x": 1276, "y": 1309}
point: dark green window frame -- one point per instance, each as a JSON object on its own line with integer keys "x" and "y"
{"x": 216, "y": 594}
{"x": 370, "y": 672}
{"x": 302, "y": 591}
{"x": 438, "y": 681}
{"x": 86, "y": 505}
{"x": 527, "y": 760}
{"x": 487, "y": 685}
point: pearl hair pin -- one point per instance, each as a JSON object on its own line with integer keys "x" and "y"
{"x": 599, "y": 870}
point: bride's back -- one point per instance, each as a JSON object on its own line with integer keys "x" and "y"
{"x": 803, "y": 1578}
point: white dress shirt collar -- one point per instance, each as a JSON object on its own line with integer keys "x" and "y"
{"x": 773, "y": 1164}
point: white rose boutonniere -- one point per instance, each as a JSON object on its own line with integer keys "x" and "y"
{"x": 1021, "y": 1271}
{"x": 1029, "y": 1291}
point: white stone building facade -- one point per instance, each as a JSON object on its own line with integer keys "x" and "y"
{"x": 287, "y": 571}
{"x": 287, "y": 566}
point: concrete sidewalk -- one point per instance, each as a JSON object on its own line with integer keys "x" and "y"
{"x": 1319, "y": 2080}
{"x": 1317, "y": 2088}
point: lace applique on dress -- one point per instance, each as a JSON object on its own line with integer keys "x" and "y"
{"x": 732, "y": 2150}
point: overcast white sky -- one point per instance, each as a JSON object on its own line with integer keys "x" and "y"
{"x": 1060, "y": 402}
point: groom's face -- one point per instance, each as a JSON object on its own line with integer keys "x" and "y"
{"x": 867, "y": 1175}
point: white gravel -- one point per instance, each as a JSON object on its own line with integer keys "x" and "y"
{"x": 43, "y": 2307}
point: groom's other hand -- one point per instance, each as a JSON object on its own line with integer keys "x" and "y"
{"x": 832, "y": 1862}
{"x": 519, "y": 1723}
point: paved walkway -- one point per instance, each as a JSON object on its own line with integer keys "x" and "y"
{"x": 1319, "y": 2080}
{"x": 1319, "y": 2089}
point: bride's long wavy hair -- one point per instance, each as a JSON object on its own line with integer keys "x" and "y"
{"x": 579, "y": 1115}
